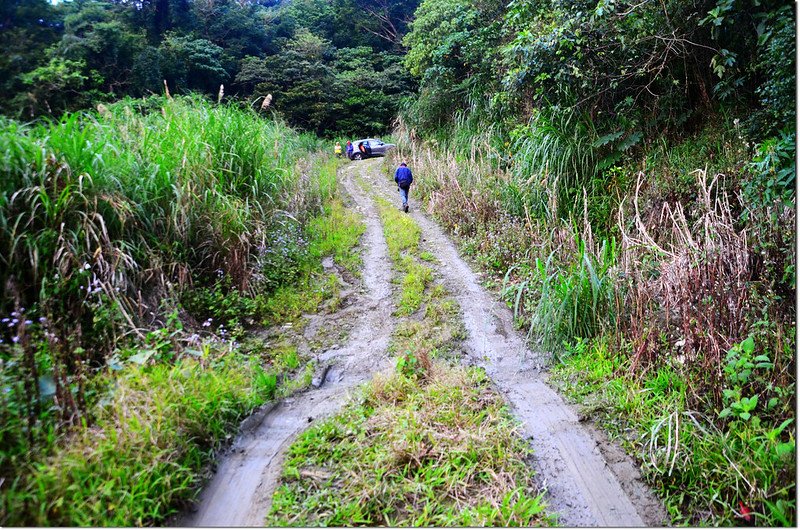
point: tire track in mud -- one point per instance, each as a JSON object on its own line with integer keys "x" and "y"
{"x": 240, "y": 493}
{"x": 571, "y": 459}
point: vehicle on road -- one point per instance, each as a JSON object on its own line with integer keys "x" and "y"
{"x": 372, "y": 147}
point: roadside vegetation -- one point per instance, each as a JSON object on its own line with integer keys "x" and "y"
{"x": 430, "y": 444}
{"x": 630, "y": 186}
{"x": 682, "y": 449}
{"x": 132, "y": 274}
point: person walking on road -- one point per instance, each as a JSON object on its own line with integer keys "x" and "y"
{"x": 404, "y": 179}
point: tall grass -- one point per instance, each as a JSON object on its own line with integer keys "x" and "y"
{"x": 566, "y": 301}
{"x": 106, "y": 217}
{"x": 556, "y": 150}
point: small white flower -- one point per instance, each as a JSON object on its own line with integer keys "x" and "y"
{"x": 86, "y": 266}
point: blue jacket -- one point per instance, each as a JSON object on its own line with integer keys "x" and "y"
{"x": 403, "y": 177}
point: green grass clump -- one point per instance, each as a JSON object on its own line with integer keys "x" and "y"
{"x": 414, "y": 282}
{"x": 404, "y": 455}
{"x": 437, "y": 334}
{"x": 563, "y": 301}
{"x": 402, "y": 237}
{"x": 706, "y": 468}
{"x": 290, "y": 302}
{"x": 401, "y": 232}
{"x": 152, "y": 437}
{"x": 336, "y": 233}
{"x": 286, "y": 356}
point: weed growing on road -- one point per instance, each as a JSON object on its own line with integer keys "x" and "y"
{"x": 435, "y": 451}
{"x": 403, "y": 237}
{"x": 401, "y": 232}
{"x": 437, "y": 334}
{"x": 430, "y": 445}
{"x": 336, "y": 233}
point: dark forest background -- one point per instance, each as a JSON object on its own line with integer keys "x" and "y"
{"x": 331, "y": 66}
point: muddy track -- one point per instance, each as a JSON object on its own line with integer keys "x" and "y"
{"x": 590, "y": 482}
{"x": 240, "y": 493}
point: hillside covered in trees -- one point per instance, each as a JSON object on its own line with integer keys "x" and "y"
{"x": 332, "y": 67}
{"x": 623, "y": 172}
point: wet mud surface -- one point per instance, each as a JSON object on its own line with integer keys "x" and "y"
{"x": 589, "y": 480}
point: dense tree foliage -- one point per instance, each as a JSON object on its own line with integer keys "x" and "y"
{"x": 332, "y": 66}
{"x": 630, "y": 67}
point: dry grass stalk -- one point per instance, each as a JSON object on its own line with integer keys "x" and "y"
{"x": 699, "y": 295}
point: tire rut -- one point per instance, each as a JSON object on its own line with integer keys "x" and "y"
{"x": 568, "y": 456}
{"x": 240, "y": 492}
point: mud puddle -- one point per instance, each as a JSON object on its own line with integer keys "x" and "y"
{"x": 240, "y": 493}
{"x": 569, "y": 457}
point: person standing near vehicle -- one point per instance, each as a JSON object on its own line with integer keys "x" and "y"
{"x": 404, "y": 179}
{"x": 337, "y": 150}
{"x": 349, "y": 149}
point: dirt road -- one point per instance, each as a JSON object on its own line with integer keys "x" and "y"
{"x": 589, "y": 481}
{"x": 240, "y": 492}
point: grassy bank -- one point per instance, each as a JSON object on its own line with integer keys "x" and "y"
{"x": 150, "y": 439}
{"x": 141, "y": 243}
{"x": 733, "y": 471}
